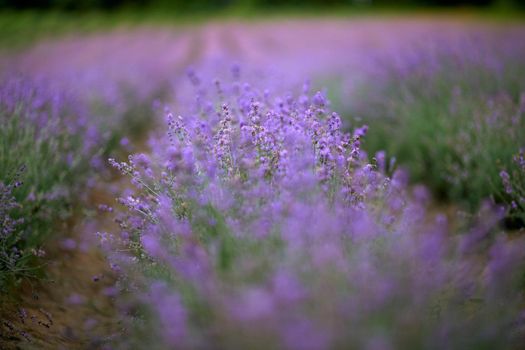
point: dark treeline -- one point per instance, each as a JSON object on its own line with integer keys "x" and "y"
{"x": 211, "y": 5}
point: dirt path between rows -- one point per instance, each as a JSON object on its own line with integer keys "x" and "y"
{"x": 72, "y": 307}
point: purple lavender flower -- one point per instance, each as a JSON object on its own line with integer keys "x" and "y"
{"x": 264, "y": 219}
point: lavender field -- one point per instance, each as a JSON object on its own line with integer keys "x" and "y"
{"x": 287, "y": 183}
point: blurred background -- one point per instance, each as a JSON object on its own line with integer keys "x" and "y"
{"x": 375, "y": 59}
{"x": 205, "y": 6}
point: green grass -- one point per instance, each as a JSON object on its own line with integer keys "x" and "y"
{"x": 19, "y": 29}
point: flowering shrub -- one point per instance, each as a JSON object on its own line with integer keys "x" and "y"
{"x": 40, "y": 136}
{"x": 258, "y": 222}
{"x": 442, "y": 110}
{"x": 58, "y": 141}
{"x": 514, "y": 186}
{"x": 9, "y": 232}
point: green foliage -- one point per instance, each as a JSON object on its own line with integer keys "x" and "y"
{"x": 513, "y": 181}
{"x": 45, "y": 194}
{"x": 19, "y": 29}
{"x": 60, "y": 144}
{"x": 454, "y": 127}
{"x": 47, "y": 179}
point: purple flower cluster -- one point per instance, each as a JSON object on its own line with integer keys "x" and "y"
{"x": 50, "y": 111}
{"x": 9, "y": 227}
{"x": 514, "y": 186}
{"x": 441, "y": 107}
{"x": 59, "y": 140}
{"x": 259, "y": 222}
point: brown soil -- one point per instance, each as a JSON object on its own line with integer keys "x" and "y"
{"x": 72, "y": 307}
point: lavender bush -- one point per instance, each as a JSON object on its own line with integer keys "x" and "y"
{"x": 59, "y": 139}
{"x": 36, "y": 135}
{"x": 514, "y": 186}
{"x": 258, "y": 222}
{"x": 11, "y": 257}
{"x": 451, "y": 111}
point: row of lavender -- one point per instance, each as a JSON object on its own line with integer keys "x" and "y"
{"x": 453, "y": 113}
{"x": 258, "y": 221}
{"x": 53, "y": 143}
{"x": 42, "y": 151}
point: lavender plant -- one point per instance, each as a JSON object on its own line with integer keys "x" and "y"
{"x": 10, "y": 256}
{"x": 451, "y": 111}
{"x": 514, "y": 186}
{"x": 258, "y": 222}
{"x": 55, "y": 138}
{"x": 37, "y": 134}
